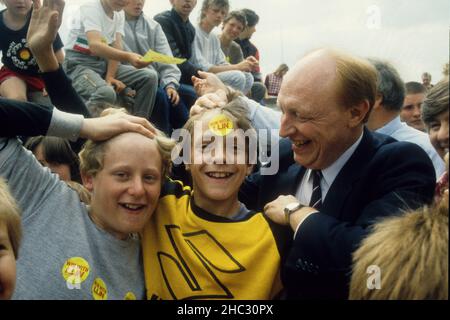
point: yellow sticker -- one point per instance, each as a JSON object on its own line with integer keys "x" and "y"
{"x": 221, "y": 125}
{"x": 130, "y": 296}
{"x": 153, "y": 56}
{"x": 104, "y": 40}
{"x": 25, "y": 54}
{"x": 99, "y": 290}
{"x": 75, "y": 270}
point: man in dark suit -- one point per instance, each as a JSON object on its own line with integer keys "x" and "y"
{"x": 336, "y": 178}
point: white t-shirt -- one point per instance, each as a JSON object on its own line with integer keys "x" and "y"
{"x": 92, "y": 17}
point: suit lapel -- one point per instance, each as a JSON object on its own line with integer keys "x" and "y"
{"x": 348, "y": 176}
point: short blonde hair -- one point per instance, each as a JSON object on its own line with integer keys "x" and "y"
{"x": 93, "y": 152}
{"x": 412, "y": 253}
{"x": 356, "y": 80}
{"x": 10, "y": 215}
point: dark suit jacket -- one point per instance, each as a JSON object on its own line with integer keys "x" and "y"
{"x": 382, "y": 178}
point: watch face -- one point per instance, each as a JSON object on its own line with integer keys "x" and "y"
{"x": 292, "y": 206}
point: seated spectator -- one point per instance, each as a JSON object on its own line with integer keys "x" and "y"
{"x": 409, "y": 255}
{"x": 426, "y": 80}
{"x": 56, "y": 154}
{"x": 180, "y": 34}
{"x": 233, "y": 25}
{"x": 208, "y": 54}
{"x": 19, "y": 75}
{"x": 142, "y": 34}
{"x": 273, "y": 80}
{"x": 410, "y": 113}
{"x": 94, "y": 52}
{"x": 385, "y": 115}
{"x": 10, "y": 237}
{"x": 228, "y": 251}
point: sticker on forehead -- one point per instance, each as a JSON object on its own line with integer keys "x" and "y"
{"x": 221, "y": 125}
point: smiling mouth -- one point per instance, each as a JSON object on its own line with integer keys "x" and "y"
{"x": 301, "y": 143}
{"x": 219, "y": 175}
{"x": 132, "y": 207}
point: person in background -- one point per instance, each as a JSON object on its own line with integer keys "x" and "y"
{"x": 273, "y": 80}
{"x": 180, "y": 34}
{"x": 19, "y": 75}
{"x": 426, "y": 80}
{"x": 385, "y": 115}
{"x": 410, "y": 112}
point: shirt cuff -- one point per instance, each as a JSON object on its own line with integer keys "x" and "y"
{"x": 65, "y": 125}
{"x": 301, "y": 221}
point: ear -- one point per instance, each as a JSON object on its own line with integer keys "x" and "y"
{"x": 358, "y": 113}
{"x": 88, "y": 181}
{"x": 378, "y": 101}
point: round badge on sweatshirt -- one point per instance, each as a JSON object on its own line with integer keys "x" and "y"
{"x": 99, "y": 290}
{"x": 75, "y": 271}
{"x": 130, "y": 296}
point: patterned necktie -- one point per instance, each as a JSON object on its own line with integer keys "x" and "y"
{"x": 316, "y": 196}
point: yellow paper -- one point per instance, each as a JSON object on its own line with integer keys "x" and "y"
{"x": 153, "y": 56}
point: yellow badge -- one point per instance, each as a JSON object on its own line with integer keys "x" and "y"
{"x": 104, "y": 40}
{"x": 153, "y": 56}
{"x": 25, "y": 54}
{"x": 130, "y": 296}
{"x": 221, "y": 125}
{"x": 99, "y": 290}
{"x": 75, "y": 270}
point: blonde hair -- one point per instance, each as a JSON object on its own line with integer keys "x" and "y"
{"x": 412, "y": 253}
{"x": 10, "y": 215}
{"x": 93, "y": 152}
{"x": 356, "y": 80}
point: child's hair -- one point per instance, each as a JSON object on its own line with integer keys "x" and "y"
{"x": 238, "y": 15}
{"x": 217, "y": 3}
{"x": 57, "y": 150}
{"x": 10, "y": 216}
{"x": 411, "y": 252}
{"x": 236, "y": 110}
{"x": 93, "y": 152}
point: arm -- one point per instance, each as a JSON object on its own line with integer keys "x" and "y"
{"x": 42, "y": 37}
{"x": 113, "y": 65}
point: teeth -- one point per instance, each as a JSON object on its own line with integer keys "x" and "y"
{"x": 132, "y": 206}
{"x": 300, "y": 143}
{"x": 219, "y": 175}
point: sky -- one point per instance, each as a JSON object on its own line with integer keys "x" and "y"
{"x": 411, "y": 34}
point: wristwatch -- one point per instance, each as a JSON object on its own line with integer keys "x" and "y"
{"x": 290, "y": 209}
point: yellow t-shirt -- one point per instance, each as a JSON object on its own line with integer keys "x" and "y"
{"x": 192, "y": 254}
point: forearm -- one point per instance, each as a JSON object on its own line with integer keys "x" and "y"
{"x": 102, "y": 50}
{"x": 111, "y": 70}
{"x": 222, "y": 68}
{"x": 46, "y": 59}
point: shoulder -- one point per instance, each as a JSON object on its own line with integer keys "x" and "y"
{"x": 163, "y": 17}
{"x": 174, "y": 188}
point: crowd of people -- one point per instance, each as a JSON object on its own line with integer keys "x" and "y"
{"x": 123, "y": 178}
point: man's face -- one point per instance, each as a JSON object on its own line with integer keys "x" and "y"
{"x": 426, "y": 80}
{"x": 217, "y": 178}
{"x": 320, "y": 129}
{"x": 232, "y": 29}
{"x": 7, "y": 264}
{"x": 134, "y": 7}
{"x": 183, "y": 7}
{"x": 214, "y": 15}
{"x": 411, "y": 111}
{"x": 439, "y": 134}
{"x": 125, "y": 191}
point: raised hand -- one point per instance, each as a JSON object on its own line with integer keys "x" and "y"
{"x": 207, "y": 83}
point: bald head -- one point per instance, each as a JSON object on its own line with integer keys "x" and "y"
{"x": 353, "y": 79}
